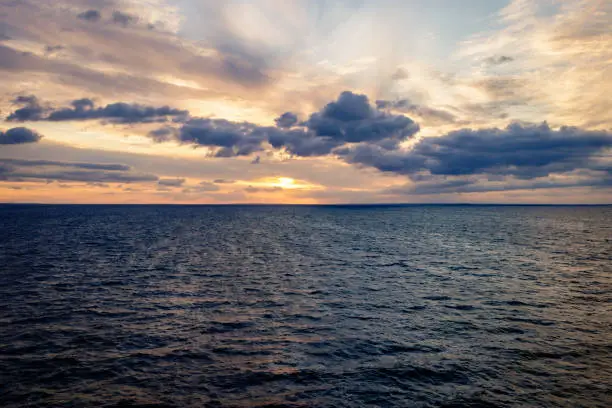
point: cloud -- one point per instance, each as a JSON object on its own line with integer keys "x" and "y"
{"x": 433, "y": 115}
{"x": 370, "y": 136}
{"x": 82, "y": 176}
{"x": 117, "y": 17}
{"x": 469, "y": 185}
{"x": 50, "y": 49}
{"x": 391, "y": 161}
{"x": 400, "y": 74}
{"x": 502, "y": 59}
{"x": 254, "y": 190}
{"x": 352, "y": 119}
{"x": 88, "y": 166}
{"x": 19, "y": 135}
{"x": 31, "y": 110}
{"x": 171, "y": 182}
{"x": 302, "y": 143}
{"x": 85, "y": 109}
{"x": 234, "y": 138}
{"x": 520, "y": 150}
{"x": 90, "y": 15}
{"x": 123, "y": 18}
{"x": 34, "y": 170}
{"x": 550, "y": 43}
{"x": 349, "y": 119}
{"x": 141, "y": 60}
{"x": 349, "y": 107}
{"x": 207, "y": 186}
{"x": 326, "y": 171}
{"x": 65, "y": 73}
{"x": 286, "y": 120}
{"x": 203, "y": 187}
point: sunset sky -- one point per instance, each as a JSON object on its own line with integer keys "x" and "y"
{"x": 306, "y": 101}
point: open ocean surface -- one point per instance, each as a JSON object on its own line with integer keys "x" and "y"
{"x": 305, "y": 306}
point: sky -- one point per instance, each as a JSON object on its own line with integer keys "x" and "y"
{"x": 306, "y": 101}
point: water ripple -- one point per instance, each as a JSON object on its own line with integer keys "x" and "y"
{"x": 196, "y": 306}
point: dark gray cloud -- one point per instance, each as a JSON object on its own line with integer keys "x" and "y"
{"x": 348, "y": 107}
{"x": 469, "y": 185}
{"x": 117, "y": 17}
{"x": 163, "y": 134}
{"x": 349, "y": 119}
{"x": 176, "y": 182}
{"x": 392, "y": 161}
{"x": 234, "y": 138}
{"x": 31, "y": 109}
{"x": 302, "y": 143}
{"x": 120, "y": 112}
{"x": 88, "y": 166}
{"x": 352, "y": 119}
{"x": 36, "y": 170}
{"x": 80, "y": 176}
{"x": 224, "y": 181}
{"x": 286, "y": 120}
{"x": 522, "y": 151}
{"x": 90, "y": 15}
{"x": 19, "y": 135}
{"x": 123, "y": 18}
{"x": 85, "y": 109}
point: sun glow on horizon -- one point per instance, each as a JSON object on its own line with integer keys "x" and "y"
{"x": 285, "y": 183}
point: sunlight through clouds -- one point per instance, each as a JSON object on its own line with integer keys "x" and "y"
{"x": 364, "y": 87}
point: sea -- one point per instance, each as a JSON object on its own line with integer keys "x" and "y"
{"x": 305, "y": 306}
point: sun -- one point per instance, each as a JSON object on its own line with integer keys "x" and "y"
{"x": 285, "y": 182}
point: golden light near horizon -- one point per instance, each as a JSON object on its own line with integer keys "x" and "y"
{"x": 283, "y": 182}
{"x": 286, "y": 182}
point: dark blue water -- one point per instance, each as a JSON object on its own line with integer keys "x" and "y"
{"x": 280, "y": 306}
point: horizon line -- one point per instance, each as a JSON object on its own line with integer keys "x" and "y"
{"x": 315, "y": 204}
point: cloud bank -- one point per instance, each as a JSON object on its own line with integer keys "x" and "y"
{"x": 48, "y": 170}
{"x": 351, "y": 119}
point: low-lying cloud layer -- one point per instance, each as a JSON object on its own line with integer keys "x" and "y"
{"x": 352, "y": 130}
{"x": 47, "y": 170}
